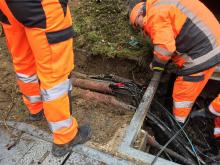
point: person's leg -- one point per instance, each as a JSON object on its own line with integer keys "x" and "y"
{"x": 217, "y": 127}
{"x": 186, "y": 90}
{"x": 53, "y": 49}
{"x": 24, "y": 65}
{"x": 214, "y": 107}
{"x": 48, "y": 28}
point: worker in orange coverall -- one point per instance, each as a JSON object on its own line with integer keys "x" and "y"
{"x": 188, "y": 34}
{"x": 39, "y": 36}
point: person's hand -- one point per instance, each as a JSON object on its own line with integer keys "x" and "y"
{"x": 154, "y": 66}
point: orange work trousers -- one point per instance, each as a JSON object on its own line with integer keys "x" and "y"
{"x": 39, "y": 36}
{"x": 214, "y": 108}
{"x": 186, "y": 90}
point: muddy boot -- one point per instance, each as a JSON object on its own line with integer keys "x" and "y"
{"x": 83, "y": 135}
{"x": 36, "y": 117}
{"x": 204, "y": 113}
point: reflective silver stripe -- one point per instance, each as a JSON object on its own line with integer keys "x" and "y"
{"x": 217, "y": 70}
{"x": 202, "y": 59}
{"x": 60, "y": 124}
{"x": 183, "y": 104}
{"x": 57, "y": 91}
{"x": 180, "y": 119}
{"x": 162, "y": 51}
{"x": 34, "y": 99}
{"x": 216, "y": 131}
{"x": 26, "y": 78}
{"x": 213, "y": 111}
{"x": 193, "y": 18}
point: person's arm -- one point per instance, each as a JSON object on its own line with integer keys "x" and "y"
{"x": 160, "y": 30}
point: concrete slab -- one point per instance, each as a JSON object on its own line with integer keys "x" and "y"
{"x": 50, "y": 159}
{"x": 100, "y": 156}
{"x": 81, "y": 159}
{"x": 37, "y": 153}
{"x": 11, "y": 151}
{"x": 34, "y": 147}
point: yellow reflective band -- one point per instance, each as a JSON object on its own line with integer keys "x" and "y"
{"x": 158, "y": 68}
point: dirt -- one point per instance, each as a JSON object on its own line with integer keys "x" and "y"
{"x": 104, "y": 119}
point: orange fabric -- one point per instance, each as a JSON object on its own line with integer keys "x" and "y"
{"x": 32, "y": 54}
{"x": 34, "y": 108}
{"x": 135, "y": 12}
{"x": 59, "y": 107}
{"x": 30, "y": 89}
{"x": 65, "y": 135}
{"x": 162, "y": 57}
{"x": 217, "y": 126}
{"x": 164, "y": 22}
{"x": 189, "y": 91}
{"x": 178, "y": 60}
{"x": 23, "y": 61}
{"x": 181, "y": 112}
{"x": 216, "y": 104}
{"x": 162, "y": 26}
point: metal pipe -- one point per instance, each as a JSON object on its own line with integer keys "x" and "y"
{"x": 142, "y": 110}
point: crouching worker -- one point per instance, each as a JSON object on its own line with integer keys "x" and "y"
{"x": 186, "y": 33}
{"x": 39, "y": 37}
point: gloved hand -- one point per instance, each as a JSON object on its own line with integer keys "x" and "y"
{"x": 156, "y": 66}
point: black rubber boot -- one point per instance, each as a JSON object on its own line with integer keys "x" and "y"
{"x": 204, "y": 113}
{"x": 83, "y": 135}
{"x": 36, "y": 117}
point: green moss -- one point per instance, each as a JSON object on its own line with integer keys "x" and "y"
{"x": 103, "y": 29}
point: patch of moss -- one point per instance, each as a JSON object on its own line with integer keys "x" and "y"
{"x": 103, "y": 29}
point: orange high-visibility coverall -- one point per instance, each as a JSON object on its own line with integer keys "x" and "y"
{"x": 214, "y": 108}
{"x": 39, "y": 36}
{"x": 187, "y": 33}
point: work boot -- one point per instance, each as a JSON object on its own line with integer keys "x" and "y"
{"x": 37, "y": 116}
{"x": 83, "y": 135}
{"x": 204, "y": 113}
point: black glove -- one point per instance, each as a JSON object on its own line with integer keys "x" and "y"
{"x": 157, "y": 66}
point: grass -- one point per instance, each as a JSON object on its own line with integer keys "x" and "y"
{"x": 103, "y": 29}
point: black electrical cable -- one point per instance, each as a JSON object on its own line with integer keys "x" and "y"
{"x": 160, "y": 121}
{"x": 169, "y": 133}
{"x": 193, "y": 148}
{"x": 169, "y": 141}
